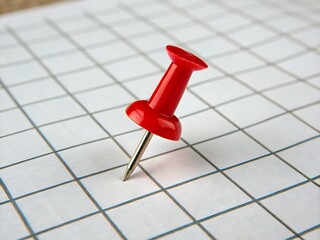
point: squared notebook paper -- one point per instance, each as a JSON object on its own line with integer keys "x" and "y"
{"x": 247, "y": 165}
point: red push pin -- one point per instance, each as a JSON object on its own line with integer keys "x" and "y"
{"x": 156, "y": 114}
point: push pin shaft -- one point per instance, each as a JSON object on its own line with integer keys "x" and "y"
{"x": 156, "y": 114}
{"x": 138, "y": 154}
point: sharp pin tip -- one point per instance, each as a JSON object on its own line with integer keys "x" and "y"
{"x": 126, "y": 176}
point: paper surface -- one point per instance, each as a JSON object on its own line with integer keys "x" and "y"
{"x": 247, "y": 165}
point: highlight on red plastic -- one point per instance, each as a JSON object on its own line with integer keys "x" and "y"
{"x": 157, "y": 114}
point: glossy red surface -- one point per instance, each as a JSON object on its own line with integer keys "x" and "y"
{"x": 156, "y": 114}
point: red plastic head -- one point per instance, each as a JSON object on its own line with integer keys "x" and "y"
{"x": 156, "y": 114}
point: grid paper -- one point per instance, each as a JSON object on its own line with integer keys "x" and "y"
{"x": 247, "y": 165}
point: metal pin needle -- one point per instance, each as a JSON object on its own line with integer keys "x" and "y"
{"x": 137, "y": 154}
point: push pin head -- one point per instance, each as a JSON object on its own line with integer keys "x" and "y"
{"x": 157, "y": 114}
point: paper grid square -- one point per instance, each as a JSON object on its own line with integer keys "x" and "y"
{"x": 36, "y": 32}
{"x": 206, "y": 11}
{"x": 111, "y": 52}
{"x": 14, "y": 55}
{"x": 143, "y": 67}
{"x": 312, "y": 235}
{"x": 113, "y": 16}
{"x": 6, "y": 101}
{"x": 203, "y": 131}
{"x": 115, "y": 121}
{"x": 237, "y": 62}
{"x": 152, "y": 216}
{"x": 265, "y": 176}
{"x": 264, "y": 78}
{"x": 34, "y": 175}
{"x": 189, "y": 233}
{"x": 304, "y": 157}
{"x": 310, "y": 115}
{"x": 294, "y": 96}
{"x": 13, "y": 121}
{"x": 214, "y": 46}
{"x": 231, "y": 150}
{"x": 52, "y": 46}
{"x": 67, "y": 63}
{"x": 259, "y": 11}
{"x": 287, "y": 23}
{"x": 150, "y": 9}
{"x": 277, "y": 49}
{"x": 227, "y": 23}
{"x": 94, "y": 157}
{"x": 310, "y": 69}
{"x": 309, "y": 36}
{"x": 221, "y": 91}
{"x": 281, "y": 132}
{"x": 95, "y": 226}
{"x": 12, "y": 227}
{"x": 74, "y": 24}
{"x": 6, "y": 39}
{"x": 93, "y": 37}
{"x": 170, "y": 20}
{"x": 104, "y": 98}
{"x": 71, "y": 132}
{"x": 21, "y": 73}
{"x": 202, "y": 197}
{"x": 152, "y": 41}
{"x": 306, "y": 206}
{"x": 86, "y": 79}
{"x": 133, "y": 28}
{"x": 189, "y": 165}
{"x": 54, "y": 110}
{"x": 37, "y": 91}
{"x": 22, "y": 146}
{"x": 314, "y": 81}
{"x": 251, "y": 35}
{"x": 3, "y": 195}
{"x": 241, "y": 220}
{"x": 189, "y": 33}
{"x": 56, "y": 206}
{"x": 249, "y": 110}
{"x": 109, "y": 193}
{"x": 143, "y": 87}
